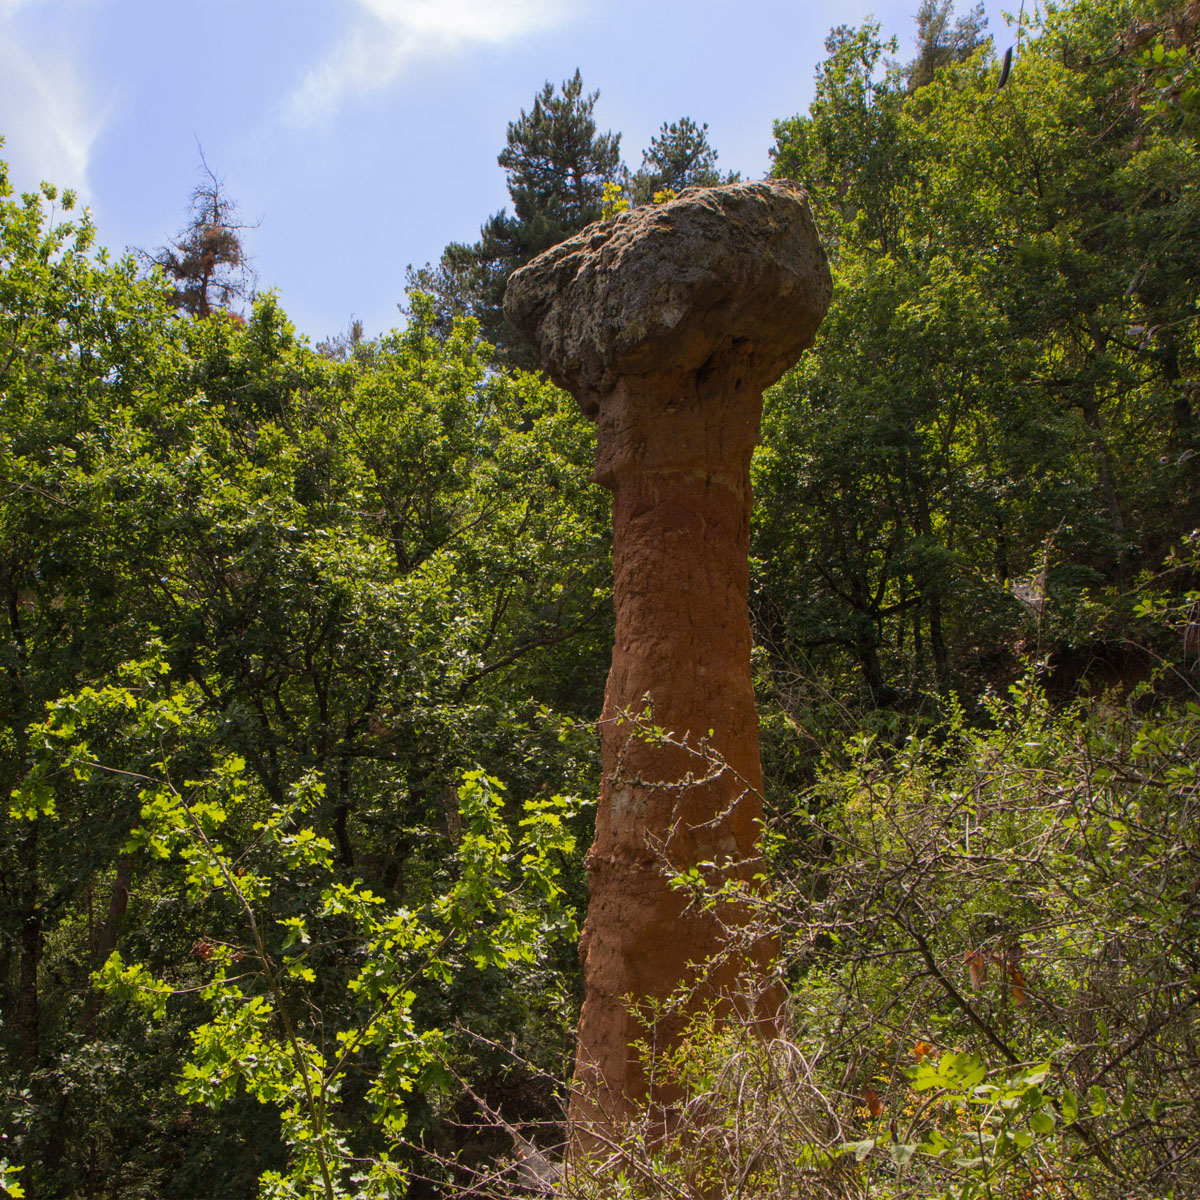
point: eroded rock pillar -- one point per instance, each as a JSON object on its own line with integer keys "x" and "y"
{"x": 666, "y": 323}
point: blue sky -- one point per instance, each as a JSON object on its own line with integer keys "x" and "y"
{"x": 361, "y": 135}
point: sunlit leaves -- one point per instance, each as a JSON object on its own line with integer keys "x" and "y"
{"x": 260, "y": 608}
{"x": 505, "y": 899}
{"x": 1009, "y": 363}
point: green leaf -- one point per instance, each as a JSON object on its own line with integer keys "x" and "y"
{"x": 862, "y": 1149}
{"x": 1041, "y": 1122}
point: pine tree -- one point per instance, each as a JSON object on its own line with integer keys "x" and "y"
{"x": 557, "y": 166}
{"x": 678, "y": 157}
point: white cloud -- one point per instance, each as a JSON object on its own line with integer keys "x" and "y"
{"x": 392, "y": 34}
{"x": 49, "y": 121}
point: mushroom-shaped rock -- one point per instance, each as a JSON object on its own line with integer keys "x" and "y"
{"x": 666, "y": 323}
{"x": 660, "y": 289}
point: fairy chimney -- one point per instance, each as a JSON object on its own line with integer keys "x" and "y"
{"x": 666, "y": 323}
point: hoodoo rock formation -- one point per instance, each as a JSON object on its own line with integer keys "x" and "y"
{"x": 666, "y": 323}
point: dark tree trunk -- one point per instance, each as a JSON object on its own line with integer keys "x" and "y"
{"x": 105, "y": 940}
{"x": 31, "y": 952}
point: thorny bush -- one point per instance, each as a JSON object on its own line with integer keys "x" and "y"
{"x": 991, "y": 941}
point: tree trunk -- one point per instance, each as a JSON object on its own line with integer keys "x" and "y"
{"x": 105, "y": 940}
{"x": 31, "y": 951}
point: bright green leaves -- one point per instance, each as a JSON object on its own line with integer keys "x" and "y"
{"x": 1003, "y": 390}
{"x": 498, "y": 925}
{"x": 136, "y": 712}
{"x": 35, "y": 797}
{"x": 485, "y": 858}
{"x": 209, "y": 826}
{"x": 8, "y": 1179}
{"x": 1172, "y": 82}
{"x": 46, "y": 274}
{"x": 226, "y": 1048}
{"x": 545, "y": 836}
{"x": 507, "y": 898}
{"x": 134, "y": 984}
{"x": 988, "y": 875}
{"x": 956, "y": 1071}
{"x": 853, "y": 150}
{"x": 987, "y": 1128}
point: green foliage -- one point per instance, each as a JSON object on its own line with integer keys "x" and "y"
{"x": 994, "y": 1132}
{"x": 557, "y": 167}
{"x": 939, "y": 43}
{"x": 995, "y": 435}
{"x": 989, "y": 942}
{"x": 1026, "y": 891}
{"x": 338, "y": 583}
{"x": 8, "y": 1180}
{"x": 556, "y": 162}
{"x": 679, "y": 156}
{"x": 613, "y": 200}
{"x": 268, "y": 1031}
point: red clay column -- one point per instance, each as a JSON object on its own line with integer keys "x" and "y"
{"x": 666, "y": 323}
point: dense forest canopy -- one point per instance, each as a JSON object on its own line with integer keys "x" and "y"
{"x": 299, "y": 651}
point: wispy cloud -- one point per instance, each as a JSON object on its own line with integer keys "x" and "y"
{"x": 390, "y": 35}
{"x": 49, "y": 120}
